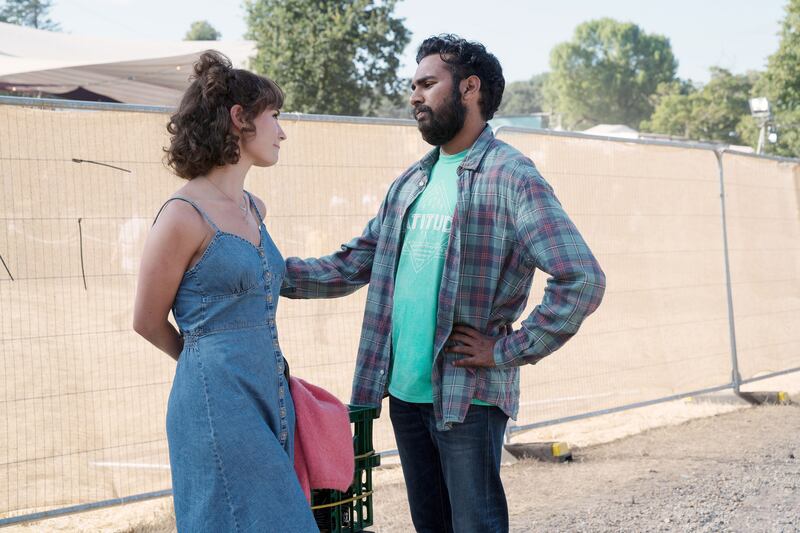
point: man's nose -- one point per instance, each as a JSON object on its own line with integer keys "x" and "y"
{"x": 415, "y": 98}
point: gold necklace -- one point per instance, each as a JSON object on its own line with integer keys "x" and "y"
{"x": 242, "y": 208}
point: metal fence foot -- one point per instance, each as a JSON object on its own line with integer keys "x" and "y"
{"x": 551, "y": 452}
{"x": 766, "y": 398}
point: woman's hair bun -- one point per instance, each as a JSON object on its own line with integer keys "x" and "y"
{"x": 212, "y": 71}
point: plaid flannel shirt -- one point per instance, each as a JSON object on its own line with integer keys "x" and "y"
{"x": 507, "y": 223}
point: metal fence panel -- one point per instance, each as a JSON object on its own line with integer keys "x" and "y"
{"x": 82, "y": 398}
{"x": 763, "y": 214}
{"x": 652, "y": 215}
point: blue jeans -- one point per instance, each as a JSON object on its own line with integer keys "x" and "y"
{"x": 452, "y": 477}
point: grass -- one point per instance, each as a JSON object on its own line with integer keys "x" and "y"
{"x": 163, "y": 522}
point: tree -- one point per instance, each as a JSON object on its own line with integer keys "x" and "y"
{"x": 32, "y": 13}
{"x": 673, "y": 109}
{"x": 781, "y": 85}
{"x": 524, "y": 97}
{"x": 607, "y": 74}
{"x": 201, "y": 30}
{"x": 392, "y": 107}
{"x": 712, "y": 112}
{"x": 335, "y": 57}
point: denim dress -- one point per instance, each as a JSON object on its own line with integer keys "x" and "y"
{"x": 230, "y": 416}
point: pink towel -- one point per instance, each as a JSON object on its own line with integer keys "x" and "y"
{"x": 323, "y": 443}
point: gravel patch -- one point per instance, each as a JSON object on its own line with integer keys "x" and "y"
{"x": 737, "y": 472}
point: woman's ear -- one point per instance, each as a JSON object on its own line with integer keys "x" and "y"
{"x": 237, "y": 119}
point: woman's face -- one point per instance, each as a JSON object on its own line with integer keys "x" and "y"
{"x": 264, "y": 146}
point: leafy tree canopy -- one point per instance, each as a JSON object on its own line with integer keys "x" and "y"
{"x": 607, "y": 74}
{"x": 524, "y": 97}
{"x": 713, "y": 112}
{"x": 32, "y": 13}
{"x": 201, "y": 30}
{"x": 334, "y": 57}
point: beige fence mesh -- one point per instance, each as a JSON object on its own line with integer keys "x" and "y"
{"x": 652, "y": 216}
{"x": 82, "y": 398}
{"x": 763, "y": 220}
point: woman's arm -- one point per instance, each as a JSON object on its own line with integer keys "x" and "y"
{"x": 174, "y": 240}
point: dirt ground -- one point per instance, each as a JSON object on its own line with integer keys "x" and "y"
{"x": 737, "y": 472}
{"x": 736, "y": 468}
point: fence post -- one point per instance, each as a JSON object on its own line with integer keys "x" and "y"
{"x": 736, "y": 378}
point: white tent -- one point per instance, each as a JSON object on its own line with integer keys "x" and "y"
{"x": 139, "y": 72}
{"x": 613, "y": 130}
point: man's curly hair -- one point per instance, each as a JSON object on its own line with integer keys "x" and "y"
{"x": 201, "y": 130}
{"x": 465, "y": 59}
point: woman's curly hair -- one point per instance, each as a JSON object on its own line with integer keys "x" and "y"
{"x": 201, "y": 130}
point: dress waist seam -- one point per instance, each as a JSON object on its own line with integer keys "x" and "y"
{"x": 200, "y": 333}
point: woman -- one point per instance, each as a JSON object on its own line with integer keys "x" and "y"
{"x": 209, "y": 258}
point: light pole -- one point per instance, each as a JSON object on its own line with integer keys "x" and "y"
{"x": 759, "y": 109}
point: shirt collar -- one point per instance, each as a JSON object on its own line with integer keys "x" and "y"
{"x": 479, "y": 148}
{"x": 473, "y": 158}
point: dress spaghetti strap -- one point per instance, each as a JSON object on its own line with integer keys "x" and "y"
{"x": 255, "y": 207}
{"x": 197, "y": 207}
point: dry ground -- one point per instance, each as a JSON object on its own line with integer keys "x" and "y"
{"x": 738, "y": 471}
{"x": 733, "y": 472}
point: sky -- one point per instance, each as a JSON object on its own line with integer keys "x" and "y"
{"x": 737, "y": 35}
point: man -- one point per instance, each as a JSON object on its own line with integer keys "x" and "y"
{"x": 449, "y": 259}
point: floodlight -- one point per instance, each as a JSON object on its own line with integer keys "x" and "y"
{"x": 759, "y": 106}
{"x": 772, "y": 137}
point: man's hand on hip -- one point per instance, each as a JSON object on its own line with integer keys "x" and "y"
{"x": 477, "y": 348}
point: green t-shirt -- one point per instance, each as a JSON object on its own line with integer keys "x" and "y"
{"x": 417, "y": 282}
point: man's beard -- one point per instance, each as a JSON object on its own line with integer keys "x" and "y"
{"x": 440, "y": 127}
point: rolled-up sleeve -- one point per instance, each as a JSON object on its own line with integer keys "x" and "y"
{"x": 551, "y": 243}
{"x": 337, "y": 274}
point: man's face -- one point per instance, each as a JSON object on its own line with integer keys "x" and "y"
{"x": 436, "y": 101}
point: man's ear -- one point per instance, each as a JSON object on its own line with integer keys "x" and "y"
{"x": 237, "y": 114}
{"x": 470, "y": 88}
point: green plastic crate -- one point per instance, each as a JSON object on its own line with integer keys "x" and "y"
{"x": 351, "y": 511}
